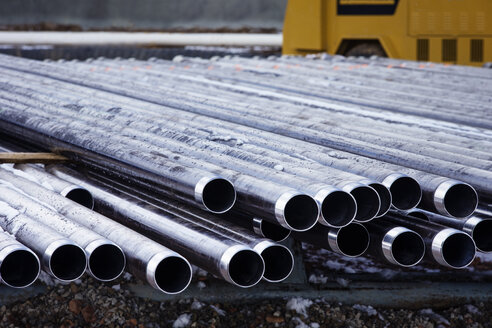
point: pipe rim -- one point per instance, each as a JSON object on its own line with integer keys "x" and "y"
{"x": 4, "y": 254}
{"x": 74, "y": 192}
{"x": 385, "y": 197}
{"x": 442, "y": 195}
{"x": 92, "y": 249}
{"x": 333, "y": 239}
{"x": 265, "y": 246}
{"x": 388, "y": 241}
{"x": 270, "y": 230}
{"x": 56, "y": 246}
{"x": 438, "y": 243}
{"x": 154, "y": 266}
{"x": 372, "y": 211}
{"x": 225, "y": 266}
{"x": 308, "y": 221}
{"x": 470, "y": 227}
{"x": 203, "y": 197}
{"x": 393, "y": 182}
{"x": 347, "y": 203}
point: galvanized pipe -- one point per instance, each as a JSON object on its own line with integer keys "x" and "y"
{"x": 162, "y": 268}
{"x": 447, "y": 246}
{"x": 60, "y": 257}
{"x": 396, "y": 244}
{"x": 278, "y": 259}
{"x": 351, "y": 240}
{"x": 480, "y": 229}
{"x": 68, "y": 190}
{"x": 19, "y": 266}
{"x": 105, "y": 260}
{"x": 269, "y": 230}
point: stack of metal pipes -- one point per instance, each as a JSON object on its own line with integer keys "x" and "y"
{"x": 217, "y": 161}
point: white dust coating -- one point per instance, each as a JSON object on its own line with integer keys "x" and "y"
{"x": 30, "y": 177}
{"x": 220, "y": 312}
{"x": 7, "y": 211}
{"x": 299, "y": 304}
{"x": 182, "y": 321}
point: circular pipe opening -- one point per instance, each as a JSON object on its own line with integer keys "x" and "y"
{"x": 68, "y": 262}
{"x": 482, "y": 236}
{"x": 19, "y": 269}
{"x": 301, "y": 212}
{"x": 218, "y": 195}
{"x": 106, "y": 262}
{"x": 368, "y": 203}
{"x": 274, "y": 231}
{"x": 279, "y": 263}
{"x": 460, "y": 200}
{"x": 81, "y": 196}
{"x": 458, "y": 250}
{"x": 246, "y": 268}
{"x": 405, "y": 192}
{"x": 408, "y": 248}
{"x": 338, "y": 208}
{"x": 353, "y": 240}
{"x": 173, "y": 274}
{"x": 384, "y": 197}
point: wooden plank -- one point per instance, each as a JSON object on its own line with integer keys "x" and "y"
{"x": 22, "y": 158}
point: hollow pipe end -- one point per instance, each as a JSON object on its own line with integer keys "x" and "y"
{"x": 79, "y": 195}
{"x": 270, "y": 230}
{"x": 279, "y": 261}
{"x": 242, "y": 266}
{"x": 106, "y": 261}
{"x": 351, "y": 241}
{"x": 15, "y": 257}
{"x": 384, "y": 194}
{"x": 367, "y": 199}
{"x": 480, "y": 230}
{"x": 337, "y": 207}
{"x": 397, "y": 250}
{"x": 405, "y": 191}
{"x": 453, "y": 248}
{"x": 169, "y": 272}
{"x": 64, "y": 260}
{"x": 456, "y": 199}
{"x": 296, "y": 211}
{"x": 215, "y": 193}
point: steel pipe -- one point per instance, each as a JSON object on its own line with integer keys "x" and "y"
{"x": 351, "y": 240}
{"x": 270, "y": 230}
{"x": 447, "y": 246}
{"x": 480, "y": 229}
{"x": 395, "y": 244}
{"x": 105, "y": 260}
{"x": 19, "y": 266}
{"x": 162, "y": 268}
{"x": 278, "y": 259}
{"x": 60, "y": 257}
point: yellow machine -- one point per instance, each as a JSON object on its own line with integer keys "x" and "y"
{"x": 451, "y": 31}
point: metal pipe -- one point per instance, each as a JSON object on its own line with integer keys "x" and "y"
{"x": 140, "y": 39}
{"x": 383, "y": 208}
{"x": 397, "y": 245}
{"x": 278, "y": 259}
{"x": 270, "y": 230}
{"x": 19, "y": 266}
{"x": 162, "y": 268}
{"x": 447, "y": 246}
{"x": 480, "y": 229}
{"x": 60, "y": 257}
{"x": 105, "y": 260}
{"x": 351, "y": 240}
{"x": 71, "y": 191}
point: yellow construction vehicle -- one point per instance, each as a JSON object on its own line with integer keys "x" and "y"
{"x": 450, "y": 31}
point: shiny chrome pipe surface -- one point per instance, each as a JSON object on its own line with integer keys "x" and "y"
{"x": 396, "y": 244}
{"x": 351, "y": 240}
{"x": 480, "y": 229}
{"x": 278, "y": 259}
{"x": 161, "y": 267}
{"x": 60, "y": 257}
{"x": 447, "y": 246}
{"x": 19, "y": 266}
{"x": 105, "y": 260}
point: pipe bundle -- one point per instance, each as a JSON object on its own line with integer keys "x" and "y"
{"x": 216, "y": 161}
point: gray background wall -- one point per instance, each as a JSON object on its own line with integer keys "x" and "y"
{"x": 152, "y": 14}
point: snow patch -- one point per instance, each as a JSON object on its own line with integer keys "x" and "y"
{"x": 219, "y": 311}
{"x": 472, "y": 309}
{"x": 182, "y": 321}
{"x": 196, "y": 305}
{"x": 299, "y": 323}
{"x": 366, "y": 308}
{"x": 300, "y": 305}
{"x": 434, "y": 316}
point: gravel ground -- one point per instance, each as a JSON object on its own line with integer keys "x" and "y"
{"x": 88, "y": 303}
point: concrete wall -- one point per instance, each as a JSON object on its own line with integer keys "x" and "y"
{"x": 154, "y": 14}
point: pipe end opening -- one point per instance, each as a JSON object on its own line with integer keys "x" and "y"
{"x": 274, "y": 231}
{"x": 408, "y": 248}
{"x": 353, "y": 240}
{"x": 405, "y": 192}
{"x": 338, "y": 209}
{"x": 19, "y": 269}
{"x": 460, "y": 200}
{"x": 218, "y": 195}
{"x": 246, "y": 268}
{"x": 482, "y": 235}
{"x": 279, "y": 263}
{"x": 173, "y": 274}
{"x": 385, "y": 198}
{"x": 81, "y": 196}
{"x": 458, "y": 250}
{"x": 68, "y": 262}
{"x": 301, "y": 212}
{"x": 107, "y": 262}
{"x": 368, "y": 203}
